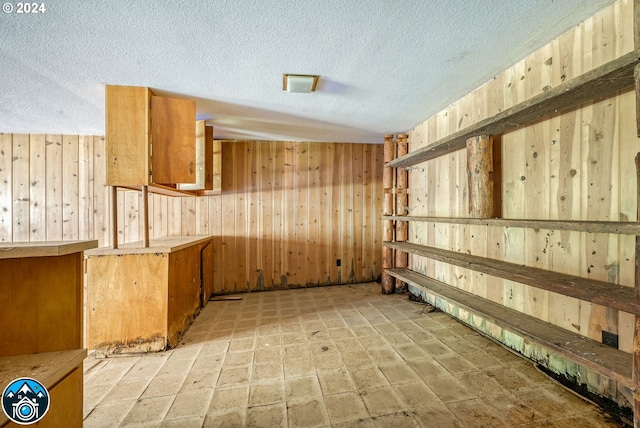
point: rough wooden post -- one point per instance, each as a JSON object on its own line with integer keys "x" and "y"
{"x": 388, "y": 282}
{"x": 480, "y": 175}
{"x": 402, "y": 200}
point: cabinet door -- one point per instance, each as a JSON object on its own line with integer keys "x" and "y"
{"x": 173, "y": 136}
{"x": 127, "y": 135}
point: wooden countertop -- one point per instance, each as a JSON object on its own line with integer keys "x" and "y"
{"x": 162, "y": 245}
{"x": 14, "y": 250}
{"x": 48, "y": 368}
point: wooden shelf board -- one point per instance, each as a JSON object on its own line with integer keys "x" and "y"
{"x": 160, "y": 189}
{"x": 598, "y": 292}
{"x": 610, "y": 362}
{"x": 590, "y": 86}
{"x": 619, "y": 227}
{"x": 13, "y": 250}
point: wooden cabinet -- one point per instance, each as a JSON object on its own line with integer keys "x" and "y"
{"x": 150, "y": 139}
{"x": 41, "y": 296}
{"x": 144, "y": 299}
{"x": 207, "y": 160}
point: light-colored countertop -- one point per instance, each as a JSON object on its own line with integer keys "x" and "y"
{"x": 162, "y": 245}
{"x": 14, "y": 250}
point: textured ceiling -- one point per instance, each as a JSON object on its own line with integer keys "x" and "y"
{"x": 385, "y": 66}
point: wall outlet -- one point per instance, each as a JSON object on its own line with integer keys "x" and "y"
{"x": 338, "y": 262}
{"x": 610, "y": 339}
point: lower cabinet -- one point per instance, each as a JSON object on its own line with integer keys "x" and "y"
{"x": 144, "y": 299}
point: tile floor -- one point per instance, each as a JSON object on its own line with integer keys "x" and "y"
{"x": 339, "y": 356}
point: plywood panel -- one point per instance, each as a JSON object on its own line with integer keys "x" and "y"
{"x": 115, "y": 281}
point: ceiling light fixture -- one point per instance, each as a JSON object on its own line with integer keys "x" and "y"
{"x": 303, "y": 83}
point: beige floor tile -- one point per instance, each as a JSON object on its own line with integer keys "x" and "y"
{"x": 108, "y": 415}
{"x": 302, "y": 389}
{"x": 274, "y": 415}
{"x": 164, "y": 386}
{"x": 238, "y": 359}
{"x": 397, "y": 373}
{"x": 418, "y": 396}
{"x": 148, "y": 411}
{"x": 385, "y": 355}
{"x": 261, "y": 395}
{"x": 382, "y": 401}
{"x": 234, "y": 376}
{"x": 200, "y": 381}
{"x": 346, "y": 407}
{"x": 226, "y": 399}
{"x": 245, "y": 344}
{"x": 269, "y": 355}
{"x": 455, "y": 364}
{"x": 308, "y": 413}
{"x": 230, "y": 419}
{"x": 475, "y": 414}
{"x": 298, "y": 367}
{"x": 126, "y": 390}
{"x": 190, "y": 404}
{"x": 368, "y": 377}
{"x": 336, "y": 382}
{"x": 267, "y": 373}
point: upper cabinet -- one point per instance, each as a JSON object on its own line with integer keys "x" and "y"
{"x": 150, "y": 139}
{"x": 207, "y": 161}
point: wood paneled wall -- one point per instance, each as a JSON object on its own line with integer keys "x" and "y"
{"x": 287, "y": 211}
{"x": 574, "y": 166}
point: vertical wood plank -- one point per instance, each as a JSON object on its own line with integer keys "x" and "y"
{"x": 85, "y": 187}
{"x": 70, "y": 187}
{"x": 356, "y": 186}
{"x": 37, "y": 200}
{"x": 314, "y": 242}
{"x": 54, "y": 187}
{"x": 20, "y": 191}
{"x": 6, "y": 186}
{"x": 101, "y": 193}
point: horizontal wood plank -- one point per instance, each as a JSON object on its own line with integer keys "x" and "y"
{"x": 591, "y": 86}
{"x": 617, "y": 227}
{"x": 610, "y": 362}
{"x": 599, "y": 292}
{"x": 14, "y": 250}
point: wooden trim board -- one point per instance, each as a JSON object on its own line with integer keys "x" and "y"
{"x": 599, "y": 292}
{"x": 610, "y": 362}
{"x": 590, "y": 86}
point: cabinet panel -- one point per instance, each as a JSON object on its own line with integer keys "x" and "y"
{"x": 173, "y": 137}
{"x": 127, "y": 135}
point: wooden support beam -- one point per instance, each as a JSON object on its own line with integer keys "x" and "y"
{"x": 598, "y": 292}
{"x": 636, "y": 334}
{"x": 480, "y": 176}
{"x": 114, "y": 217}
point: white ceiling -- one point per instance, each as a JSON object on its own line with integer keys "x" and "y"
{"x": 385, "y": 65}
